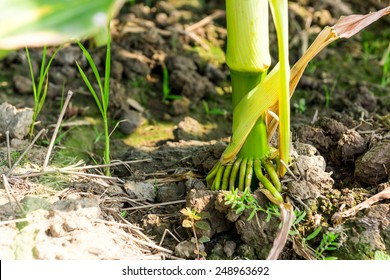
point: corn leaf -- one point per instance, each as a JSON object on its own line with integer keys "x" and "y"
{"x": 47, "y": 22}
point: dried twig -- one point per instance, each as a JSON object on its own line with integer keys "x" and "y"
{"x": 26, "y": 150}
{"x": 142, "y": 242}
{"x": 3, "y": 223}
{"x": 8, "y": 149}
{"x": 53, "y": 138}
{"x": 154, "y": 205}
{"x": 289, "y": 170}
{"x": 205, "y": 21}
{"x": 165, "y": 233}
{"x": 10, "y": 193}
{"x": 337, "y": 218}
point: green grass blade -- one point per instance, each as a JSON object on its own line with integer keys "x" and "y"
{"x": 42, "y": 98}
{"x": 107, "y": 73}
{"x": 32, "y": 75}
{"x": 314, "y": 233}
{"x": 279, "y": 10}
{"x": 93, "y": 66}
{"x": 86, "y": 81}
{"x": 45, "y": 69}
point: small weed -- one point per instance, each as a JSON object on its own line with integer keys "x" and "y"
{"x": 101, "y": 100}
{"x": 328, "y": 243}
{"x": 193, "y": 220}
{"x": 329, "y": 93}
{"x": 40, "y": 89}
{"x": 166, "y": 90}
{"x": 213, "y": 111}
{"x": 382, "y": 256}
{"x": 300, "y": 106}
{"x": 124, "y": 214}
{"x": 245, "y": 201}
{"x": 386, "y": 68}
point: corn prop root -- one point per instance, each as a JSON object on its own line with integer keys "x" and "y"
{"x": 240, "y": 173}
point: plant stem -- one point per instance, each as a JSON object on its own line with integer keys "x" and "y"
{"x": 107, "y": 144}
{"x": 279, "y": 9}
{"x": 256, "y": 144}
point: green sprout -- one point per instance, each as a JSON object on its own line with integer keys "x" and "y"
{"x": 386, "y": 68}
{"x": 40, "y": 89}
{"x": 166, "y": 89}
{"x": 215, "y": 111}
{"x": 300, "y": 106}
{"x": 102, "y": 98}
{"x": 193, "y": 220}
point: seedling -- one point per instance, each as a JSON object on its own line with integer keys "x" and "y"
{"x": 300, "y": 106}
{"x": 329, "y": 93}
{"x": 213, "y": 110}
{"x": 40, "y": 88}
{"x": 193, "y": 221}
{"x": 102, "y": 97}
{"x": 166, "y": 90}
{"x": 386, "y": 68}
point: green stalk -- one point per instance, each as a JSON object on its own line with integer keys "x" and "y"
{"x": 248, "y": 59}
{"x": 279, "y": 10}
{"x": 256, "y": 144}
{"x": 102, "y": 98}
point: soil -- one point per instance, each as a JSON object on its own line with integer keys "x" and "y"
{"x": 162, "y": 147}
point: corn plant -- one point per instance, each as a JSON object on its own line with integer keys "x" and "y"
{"x": 248, "y": 59}
{"x": 261, "y": 100}
{"x": 40, "y": 88}
{"x": 102, "y": 97}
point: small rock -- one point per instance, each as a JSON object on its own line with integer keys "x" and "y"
{"x": 141, "y": 190}
{"x": 188, "y": 129}
{"x": 350, "y": 145}
{"x": 162, "y": 19}
{"x": 181, "y": 106}
{"x": 332, "y": 127}
{"x": 153, "y": 225}
{"x": 229, "y": 248}
{"x": 17, "y": 121}
{"x": 186, "y": 249}
{"x": 307, "y": 163}
{"x": 131, "y": 120}
{"x": 23, "y": 84}
{"x": 68, "y": 56}
{"x": 205, "y": 201}
{"x": 165, "y": 6}
{"x": 366, "y": 234}
{"x": 194, "y": 183}
{"x": 171, "y": 192}
{"x": 213, "y": 73}
{"x": 117, "y": 70}
{"x": 135, "y": 66}
{"x": 304, "y": 149}
{"x": 373, "y": 166}
{"x": 246, "y": 252}
{"x": 19, "y": 144}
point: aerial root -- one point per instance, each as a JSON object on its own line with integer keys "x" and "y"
{"x": 240, "y": 173}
